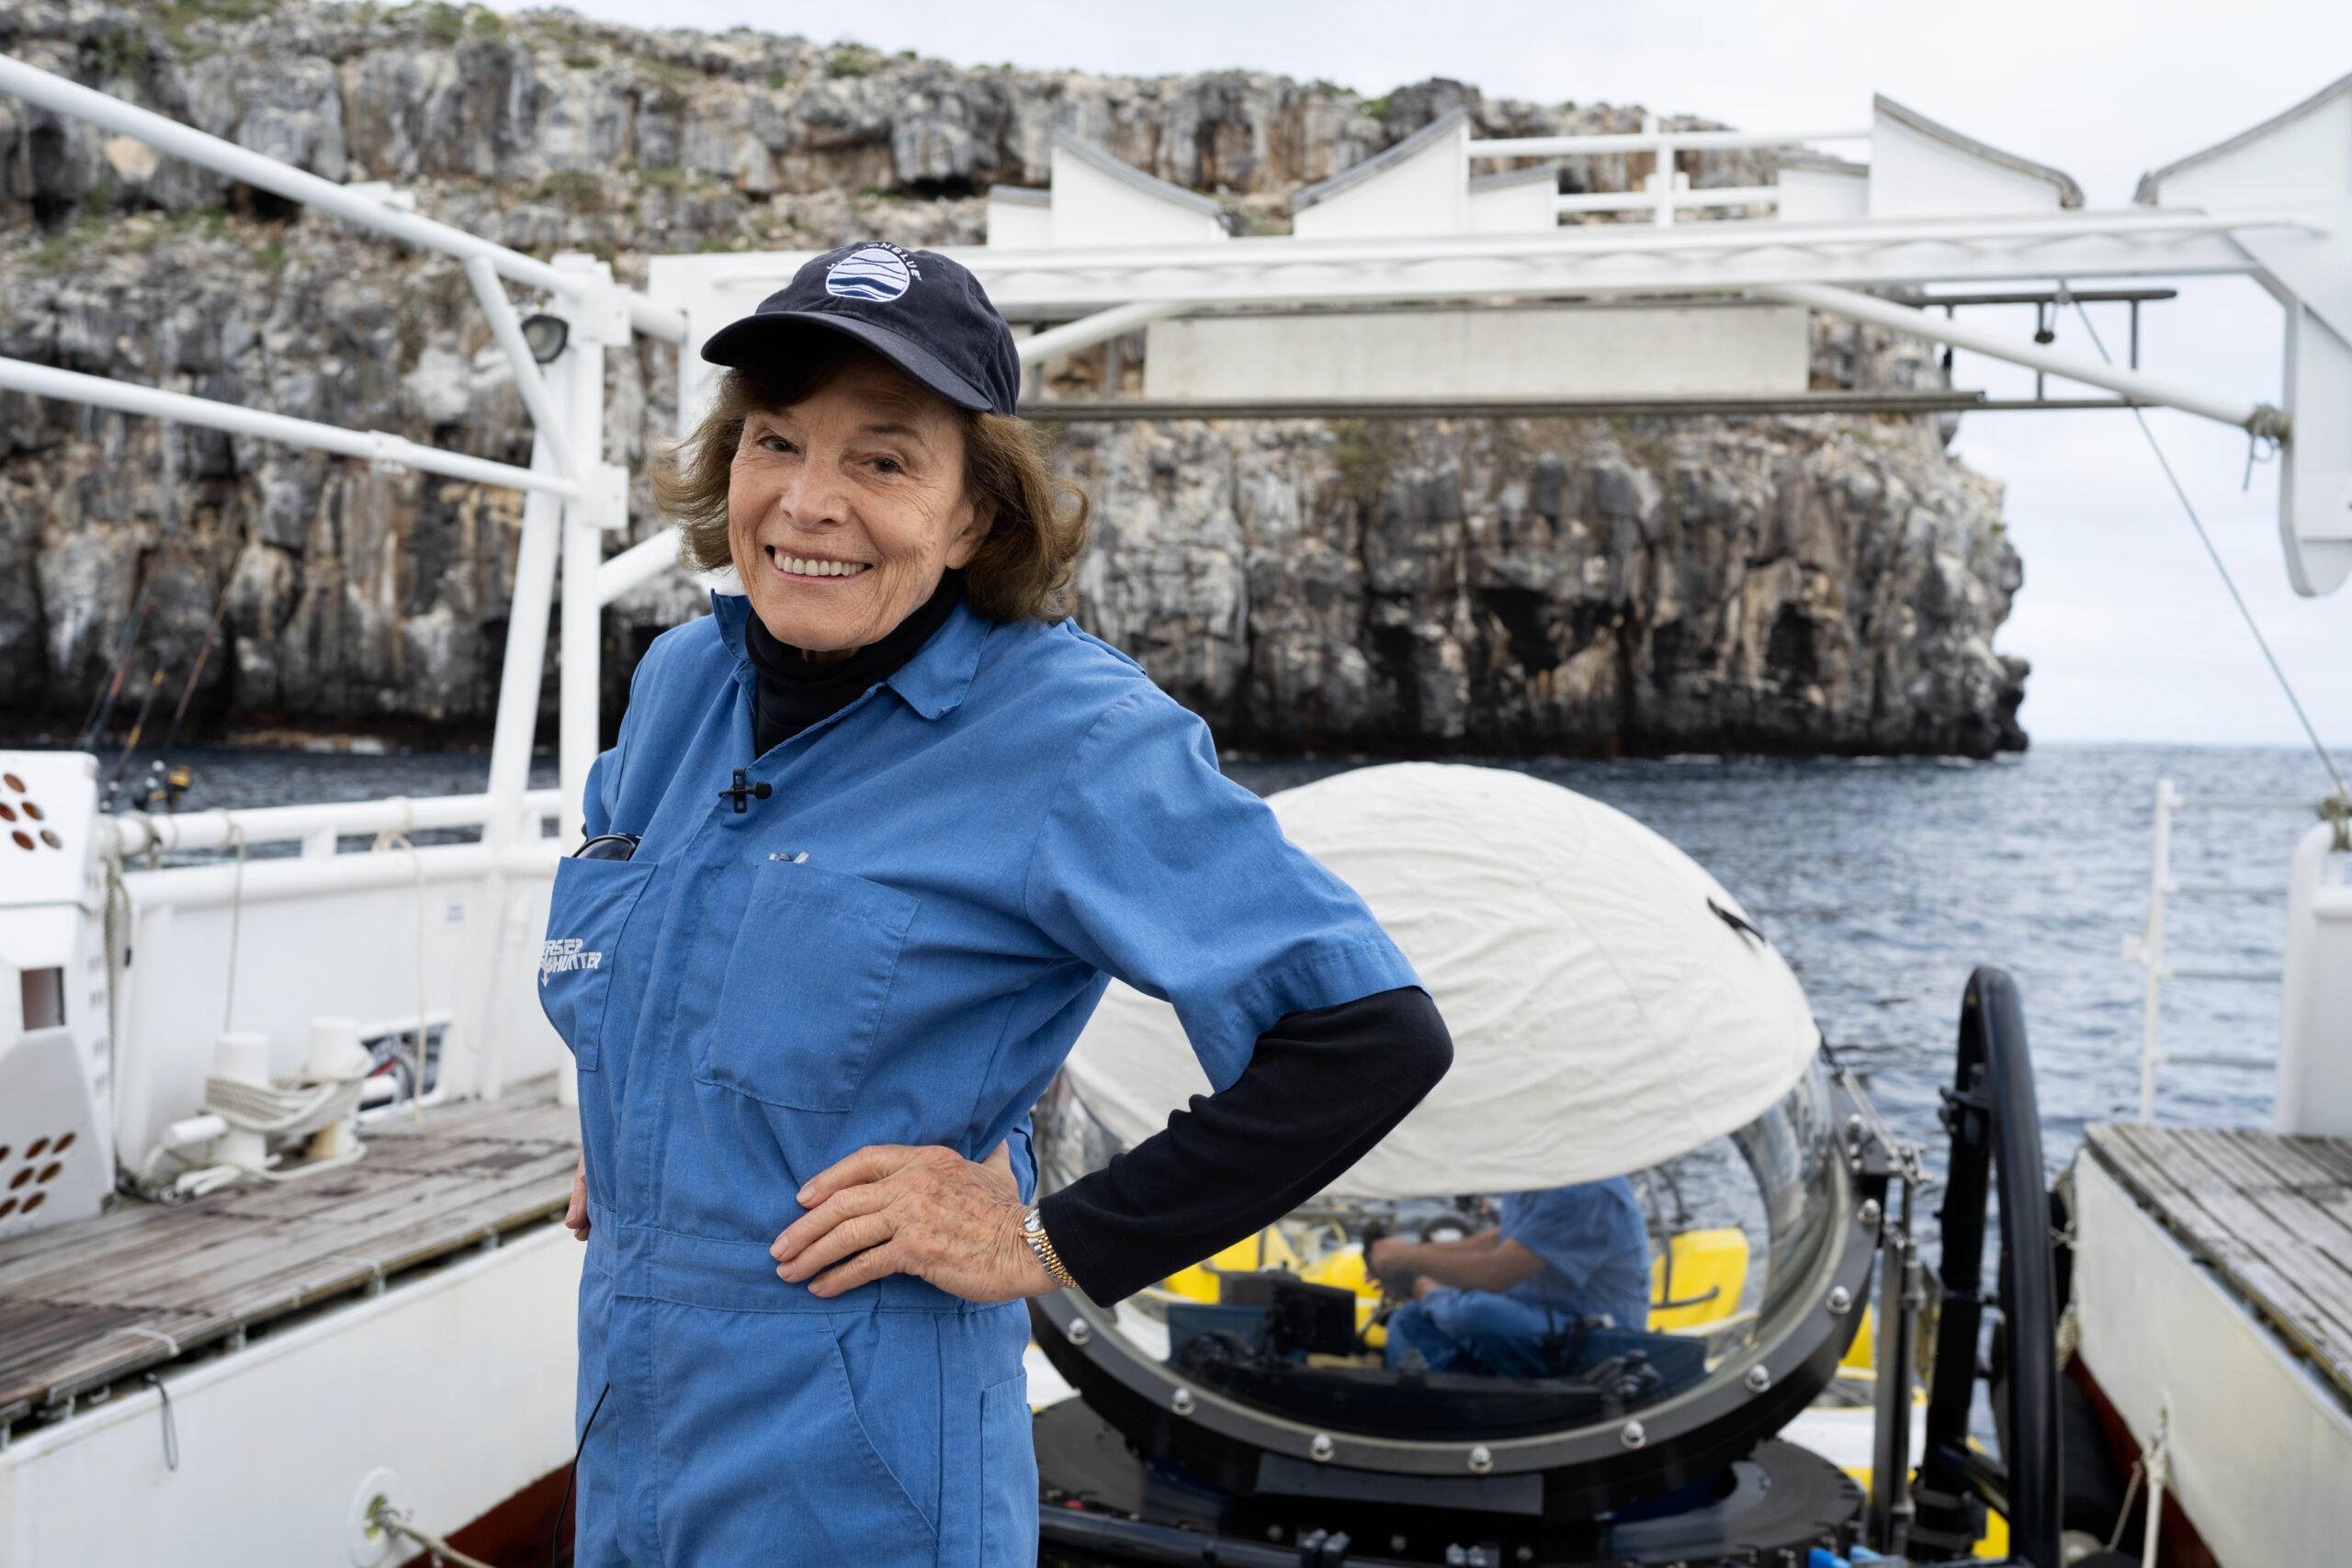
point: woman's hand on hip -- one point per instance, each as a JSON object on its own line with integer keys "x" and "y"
{"x": 575, "y": 1218}
{"x": 925, "y": 1210}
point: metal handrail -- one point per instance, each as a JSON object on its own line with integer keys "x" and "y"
{"x": 2148, "y": 948}
{"x": 169, "y": 136}
{"x": 137, "y": 833}
{"x": 369, "y": 445}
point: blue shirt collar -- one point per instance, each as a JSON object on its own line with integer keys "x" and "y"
{"x": 933, "y": 682}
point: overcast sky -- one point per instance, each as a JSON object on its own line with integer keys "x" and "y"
{"x": 2131, "y": 635}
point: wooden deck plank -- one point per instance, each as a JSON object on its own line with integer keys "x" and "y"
{"x": 2155, "y": 1168}
{"x": 89, "y": 1303}
{"x": 2293, "y": 1163}
{"x": 2229, "y": 1198}
{"x": 2317, "y": 1211}
{"x": 2277, "y": 1222}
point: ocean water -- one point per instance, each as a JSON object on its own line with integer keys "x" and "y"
{"x": 1884, "y": 882}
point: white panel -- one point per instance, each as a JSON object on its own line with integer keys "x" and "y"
{"x": 2315, "y": 1001}
{"x": 57, "y": 799}
{"x": 1824, "y": 196}
{"x": 1425, "y": 192}
{"x": 45, "y": 1098}
{"x": 1020, "y": 224}
{"x": 1514, "y": 204}
{"x": 2255, "y": 1440}
{"x": 2315, "y": 467}
{"x": 2307, "y": 158}
{"x": 340, "y": 953}
{"x": 1915, "y": 175}
{"x": 460, "y": 1384}
{"x": 713, "y": 291}
{"x": 1561, "y": 351}
{"x": 1097, "y": 207}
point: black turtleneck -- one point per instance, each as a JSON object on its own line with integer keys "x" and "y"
{"x": 796, "y": 691}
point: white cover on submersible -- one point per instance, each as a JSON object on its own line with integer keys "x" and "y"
{"x": 1604, "y": 1018}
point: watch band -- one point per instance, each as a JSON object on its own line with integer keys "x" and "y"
{"x": 1033, "y": 1231}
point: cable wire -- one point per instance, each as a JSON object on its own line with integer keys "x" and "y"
{"x": 2215, "y": 555}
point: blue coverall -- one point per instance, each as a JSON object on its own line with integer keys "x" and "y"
{"x": 898, "y": 945}
{"x": 1596, "y": 1262}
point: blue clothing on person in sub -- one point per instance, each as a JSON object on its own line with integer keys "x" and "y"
{"x": 898, "y": 945}
{"x": 1596, "y": 1257}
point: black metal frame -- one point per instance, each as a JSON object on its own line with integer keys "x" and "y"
{"x": 1996, "y": 1128}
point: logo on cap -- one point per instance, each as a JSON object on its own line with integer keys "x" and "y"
{"x": 872, "y": 273}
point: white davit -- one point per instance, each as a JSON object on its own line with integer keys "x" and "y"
{"x": 1606, "y": 1016}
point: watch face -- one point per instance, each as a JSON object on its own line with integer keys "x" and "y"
{"x": 1031, "y": 1224}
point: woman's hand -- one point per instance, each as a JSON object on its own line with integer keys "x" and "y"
{"x": 893, "y": 1209}
{"x": 575, "y": 1218}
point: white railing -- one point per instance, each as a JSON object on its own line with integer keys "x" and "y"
{"x": 2148, "y": 949}
{"x": 1665, "y": 191}
{"x": 371, "y": 205}
{"x": 448, "y": 931}
{"x": 1683, "y": 195}
{"x": 315, "y": 827}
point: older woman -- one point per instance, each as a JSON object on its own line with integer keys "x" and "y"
{"x": 888, "y": 823}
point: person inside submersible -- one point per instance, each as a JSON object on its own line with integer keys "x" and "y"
{"x": 873, "y": 837}
{"x": 1500, "y": 1301}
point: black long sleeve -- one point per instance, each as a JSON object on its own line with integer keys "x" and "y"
{"x": 1322, "y": 1088}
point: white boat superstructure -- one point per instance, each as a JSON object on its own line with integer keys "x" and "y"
{"x": 434, "y": 1376}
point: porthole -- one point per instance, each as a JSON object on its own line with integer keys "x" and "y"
{"x": 49, "y": 1172}
{"x": 20, "y": 1178}
{"x": 7, "y": 812}
{"x": 24, "y": 840}
{"x": 7, "y": 1207}
{"x": 35, "y": 1202}
{"x": 32, "y": 809}
{"x": 64, "y": 1142}
{"x": 39, "y": 1147}
{"x": 13, "y": 782}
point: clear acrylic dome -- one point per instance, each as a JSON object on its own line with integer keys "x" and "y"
{"x": 1728, "y": 1243}
{"x": 1636, "y": 1099}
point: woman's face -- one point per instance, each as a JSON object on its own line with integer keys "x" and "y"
{"x": 845, "y": 509}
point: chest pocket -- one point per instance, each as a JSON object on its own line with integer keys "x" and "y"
{"x": 800, "y": 1010}
{"x": 587, "y": 912}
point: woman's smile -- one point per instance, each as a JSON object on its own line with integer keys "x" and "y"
{"x": 814, "y": 566}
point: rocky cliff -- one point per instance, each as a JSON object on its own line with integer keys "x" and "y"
{"x": 1769, "y": 584}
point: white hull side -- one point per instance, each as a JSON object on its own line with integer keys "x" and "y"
{"x": 460, "y": 1383}
{"x": 2261, "y": 1451}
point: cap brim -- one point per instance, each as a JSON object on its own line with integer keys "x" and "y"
{"x": 743, "y": 343}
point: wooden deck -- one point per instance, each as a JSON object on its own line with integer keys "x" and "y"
{"x": 2272, "y": 1216}
{"x": 89, "y": 1303}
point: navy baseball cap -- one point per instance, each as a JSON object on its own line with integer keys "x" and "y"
{"x": 923, "y": 312}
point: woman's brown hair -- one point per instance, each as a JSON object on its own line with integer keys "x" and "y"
{"x": 1038, "y": 522}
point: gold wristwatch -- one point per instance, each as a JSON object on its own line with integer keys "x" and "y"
{"x": 1033, "y": 1231}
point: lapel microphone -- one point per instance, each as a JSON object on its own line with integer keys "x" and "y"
{"x": 743, "y": 793}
